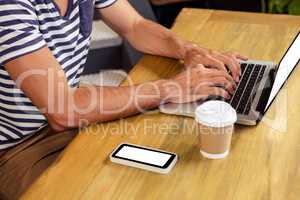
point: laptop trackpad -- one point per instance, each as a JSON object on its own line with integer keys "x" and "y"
{"x": 184, "y": 109}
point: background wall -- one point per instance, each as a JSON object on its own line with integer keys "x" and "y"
{"x": 167, "y": 13}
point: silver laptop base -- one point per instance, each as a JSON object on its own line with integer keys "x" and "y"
{"x": 251, "y": 119}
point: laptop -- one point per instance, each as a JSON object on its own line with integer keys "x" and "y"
{"x": 259, "y": 84}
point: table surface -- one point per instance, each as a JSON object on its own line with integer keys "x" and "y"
{"x": 264, "y": 162}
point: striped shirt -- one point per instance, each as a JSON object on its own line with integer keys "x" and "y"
{"x": 26, "y": 26}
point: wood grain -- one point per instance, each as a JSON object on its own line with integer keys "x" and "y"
{"x": 264, "y": 162}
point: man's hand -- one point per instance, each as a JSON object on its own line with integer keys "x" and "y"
{"x": 197, "y": 83}
{"x": 226, "y": 62}
{"x": 152, "y": 38}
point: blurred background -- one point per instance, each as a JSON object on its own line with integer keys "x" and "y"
{"x": 167, "y": 10}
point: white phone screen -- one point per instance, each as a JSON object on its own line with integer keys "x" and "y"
{"x": 144, "y": 155}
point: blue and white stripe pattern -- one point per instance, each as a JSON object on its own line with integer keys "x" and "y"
{"x": 25, "y": 27}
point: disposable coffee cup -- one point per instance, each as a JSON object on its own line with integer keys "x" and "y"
{"x": 215, "y": 121}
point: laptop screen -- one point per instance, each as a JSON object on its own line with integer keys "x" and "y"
{"x": 286, "y": 66}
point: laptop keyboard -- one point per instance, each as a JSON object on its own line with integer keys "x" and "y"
{"x": 252, "y": 74}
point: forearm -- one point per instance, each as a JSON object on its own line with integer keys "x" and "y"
{"x": 117, "y": 102}
{"x": 155, "y": 39}
{"x": 145, "y": 35}
{"x": 99, "y": 104}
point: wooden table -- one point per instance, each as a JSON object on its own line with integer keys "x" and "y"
{"x": 264, "y": 162}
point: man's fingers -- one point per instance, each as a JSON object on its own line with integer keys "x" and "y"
{"x": 215, "y": 81}
{"x": 241, "y": 57}
{"x": 218, "y": 82}
{"x": 237, "y": 55}
{"x": 217, "y": 73}
{"x": 217, "y": 91}
{"x": 232, "y": 64}
{"x": 214, "y": 63}
{"x": 224, "y": 83}
{"x": 234, "y": 67}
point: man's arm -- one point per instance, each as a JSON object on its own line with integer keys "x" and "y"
{"x": 42, "y": 79}
{"x": 152, "y": 38}
{"x": 143, "y": 34}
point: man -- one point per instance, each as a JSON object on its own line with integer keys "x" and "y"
{"x": 43, "y": 48}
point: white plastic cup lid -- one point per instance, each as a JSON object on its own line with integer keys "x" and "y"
{"x": 215, "y": 114}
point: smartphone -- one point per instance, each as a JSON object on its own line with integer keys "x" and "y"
{"x": 144, "y": 158}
